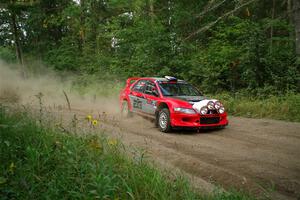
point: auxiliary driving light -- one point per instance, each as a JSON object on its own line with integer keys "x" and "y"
{"x": 204, "y": 110}
{"x": 218, "y": 105}
{"x": 210, "y": 105}
{"x": 221, "y": 110}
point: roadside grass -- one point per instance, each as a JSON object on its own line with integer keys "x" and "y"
{"x": 285, "y": 107}
{"x": 44, "y": 163}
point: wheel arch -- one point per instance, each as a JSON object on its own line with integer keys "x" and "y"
{"x": 160, "y": 107}
{"x": 127, "y": 100}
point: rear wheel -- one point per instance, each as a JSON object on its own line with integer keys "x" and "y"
{"x": 125, "y": 112}
{"x": 164, "y": 122}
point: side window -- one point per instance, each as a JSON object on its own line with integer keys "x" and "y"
{"x": 150, "y": 87}
{"x": 139, "y": 86}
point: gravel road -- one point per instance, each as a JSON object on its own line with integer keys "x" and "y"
{"x": 257, "y": 155}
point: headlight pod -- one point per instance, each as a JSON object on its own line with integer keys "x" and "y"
{"x": 218, "y": 105}
{"x": 203, "y": 110}
{"x": 185, "y": 110}
{"x": 221, "y": 110}
{"x": 210, "y": 105}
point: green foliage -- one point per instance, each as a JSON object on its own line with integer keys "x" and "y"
{"x": 238, "y": 57}
{"x": 7, "y": 55}
{"x": 41, "y": 163}
{"x": 65, "y": 57}
{"x": 283, "y": 107}
{"x": 250, "y": 49}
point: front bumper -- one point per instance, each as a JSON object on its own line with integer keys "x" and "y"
{"x": 198, "y": 121}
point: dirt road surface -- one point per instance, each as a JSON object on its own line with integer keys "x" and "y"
{"x": 257, "y": 155}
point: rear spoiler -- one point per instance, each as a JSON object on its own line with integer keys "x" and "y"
{"x": 131, "y": 80}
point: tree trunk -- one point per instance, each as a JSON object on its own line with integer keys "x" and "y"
{"x": 17, "y": 43}
{"x": 296, "y": 10}
{"x": 290, "y": 17}
{"x": 151, "y": 10}
{"x": 95, "y": 12}
{"x": 151, "y": 7}
{"x": 272, "y": 27}
{"x": 289, "y": 11}
{"x": 82, "y": 25}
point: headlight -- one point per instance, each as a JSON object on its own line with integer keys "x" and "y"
{"x": 218, "y": 105}
{"x": 185, "y": 110}
{"x": 204, "y": 110}
{"x": 221, "y": 110}
{"x": 210, "y": 105}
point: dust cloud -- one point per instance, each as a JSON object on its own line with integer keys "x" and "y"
{"x": 14, "y": 89}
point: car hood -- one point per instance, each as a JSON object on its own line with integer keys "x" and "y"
{"x": 189, "y": 99}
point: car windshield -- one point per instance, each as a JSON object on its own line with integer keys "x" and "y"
{"x": 178, "y": 89}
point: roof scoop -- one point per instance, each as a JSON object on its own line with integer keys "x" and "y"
{"x": 171, "y": 78}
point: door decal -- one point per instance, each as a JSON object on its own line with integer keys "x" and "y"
{"x": 137, "y": 103}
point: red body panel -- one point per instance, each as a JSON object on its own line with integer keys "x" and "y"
{"x": 178, "y": 119}
{"x": 193, "y": 120}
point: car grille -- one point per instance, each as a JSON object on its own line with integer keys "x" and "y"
{"x": 209, "y": 120}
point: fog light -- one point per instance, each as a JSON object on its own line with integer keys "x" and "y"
{"x": 204, "y": 110}
{"x": 221, "y": 110}
{"x": 210, "y": 105}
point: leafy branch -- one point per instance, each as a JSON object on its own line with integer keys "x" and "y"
{"x": 210, "y": 25}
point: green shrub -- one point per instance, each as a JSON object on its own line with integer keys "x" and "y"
{"x": 283, "y": 107}
{"x": 7, "y": 55}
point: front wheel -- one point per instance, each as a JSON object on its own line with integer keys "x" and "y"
{"x": 164, "y": 122}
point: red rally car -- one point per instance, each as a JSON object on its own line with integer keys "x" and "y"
{"x": 172, "y": 103}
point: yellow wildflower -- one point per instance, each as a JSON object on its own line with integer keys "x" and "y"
{"x": 112, "y": 142}
{"x": 89, "y": 117}
{"x": 94, "y": 122}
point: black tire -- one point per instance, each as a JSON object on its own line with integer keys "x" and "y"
{"x": 164, "y": 121}
{"x": 125, "y": 112}
{"x": 156, "y": 119}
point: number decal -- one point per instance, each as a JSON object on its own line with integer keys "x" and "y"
{"x": 137, "y": 103}
{"x": 151, "y": 102}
